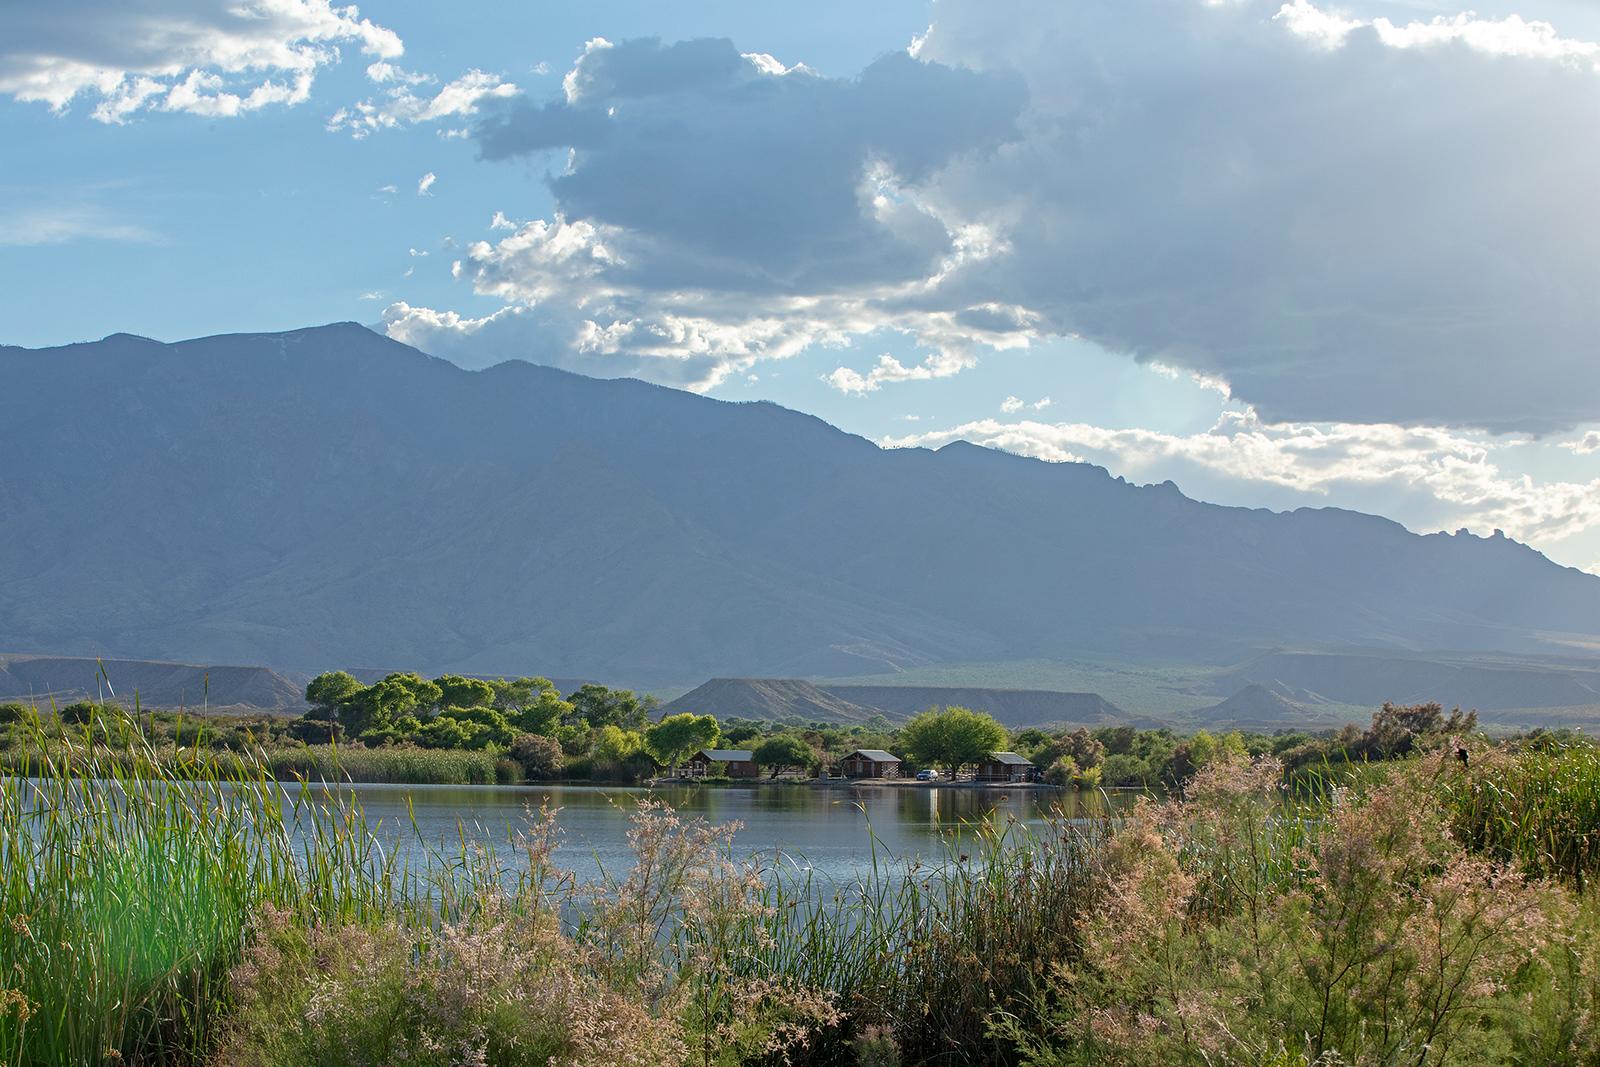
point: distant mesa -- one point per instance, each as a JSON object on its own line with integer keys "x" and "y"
{"x": 784, "y": 700}
{"x": 43, "y": 680}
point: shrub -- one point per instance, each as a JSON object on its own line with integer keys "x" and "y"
{"x": 503, "y": 990}
{"x": 539, "y": 757}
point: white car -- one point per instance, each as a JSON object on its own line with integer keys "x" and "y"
{"x": 929, "y": 775}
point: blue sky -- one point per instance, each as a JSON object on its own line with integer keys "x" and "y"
{"x": 1283, "y": 254}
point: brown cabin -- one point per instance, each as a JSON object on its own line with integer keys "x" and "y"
{"x": 733, "y": 762}
{"x": 870, "y": 763}
{"x": 1006, "y": 767}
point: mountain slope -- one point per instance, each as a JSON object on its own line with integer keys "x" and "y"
{"x": 329, "y": 497}
{"x": 1013, "y": 707}
{"x": 771, "y": 700}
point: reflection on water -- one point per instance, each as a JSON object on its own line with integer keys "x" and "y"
{"x": 827, "y": 831}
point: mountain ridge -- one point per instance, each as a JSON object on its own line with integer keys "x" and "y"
{"x": 327, "y": 496}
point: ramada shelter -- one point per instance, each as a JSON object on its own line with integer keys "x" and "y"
{"x": 870, "y": 763}
{"x": 1006, "y": 767}
{"x": 733, "y": 762}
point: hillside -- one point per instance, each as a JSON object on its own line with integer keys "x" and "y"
{"x": 1368, "y": 678}
{"x": 43, "y": 679}
{"x": 328, "y": 496}
{"x": 1256, "y": 707}
{"x": 1014, "y": 707}
{"x": 772, "y": 700}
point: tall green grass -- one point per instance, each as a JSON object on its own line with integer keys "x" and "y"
{"x": 128, "y": 879}
{"x": 398, "y": 764}
{"x": 1539, "y": 807}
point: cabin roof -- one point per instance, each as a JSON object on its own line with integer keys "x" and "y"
{"x": 728, "y": 755}
{"x": 1010, "y": 759}
{"x": 876, "y": 755}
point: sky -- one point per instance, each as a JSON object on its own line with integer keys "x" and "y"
{"x": 1282, "y": 254}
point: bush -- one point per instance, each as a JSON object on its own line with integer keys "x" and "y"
{"x": 539, "y": 757}
{"x": 501, "y": 991}
{"x": 1062, "y": 772}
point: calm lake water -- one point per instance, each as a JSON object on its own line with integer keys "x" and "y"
{"x": 826, "y": 831}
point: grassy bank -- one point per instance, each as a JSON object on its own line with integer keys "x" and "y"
{"x": 180, "y": 913}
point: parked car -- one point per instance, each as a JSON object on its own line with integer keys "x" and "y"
{"x": 929, "y": 775}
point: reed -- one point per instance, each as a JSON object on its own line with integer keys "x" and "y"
{"x": 128, "y": 878}
{"x": 1538, "y": 806}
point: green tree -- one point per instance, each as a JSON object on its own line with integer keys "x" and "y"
{"x": 613, "y": 744}
{"x": 534, "y": 705}
{"x": 677, "y": 737}
{"x": 951, "y": 737}
{"x": 13, "y": 712}
{"x": 599, "y": 706}
{"x": 378, "y": 705}
{"x": 458, "y": 692}
{"x": 328, "y": 691}
{"x": 492, "y": 727}
{"x": 784, "y": 751}
{"x": 446, "y": 732}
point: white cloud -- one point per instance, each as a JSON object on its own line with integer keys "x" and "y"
{"x": 500, "y": 222}
{"x": 1455, "y": 472}
{"x": 1013, "y": 404}
{"x": 1585, "y": 445}
{"x": 400, "y": 105}
{"x": 794, "y": 217}
{"x": 890, "y": 369}
{"x": 425, "y": 184}
{"x": 1330, "y": 218}
{"x": 60, "y": 224}
{"x": 216, "y": 58}
{"x": 1333, "y": 218}
{"x": 416, "y": 253}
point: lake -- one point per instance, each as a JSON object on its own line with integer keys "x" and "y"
{"x": 826, "y": 831}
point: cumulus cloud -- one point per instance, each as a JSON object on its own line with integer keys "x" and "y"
{"x": 1586, "y": 445}
{"x": 890, "y": 369}
{"x": 717, "y": 208}
{"x": 1456, "y": 471}
{"x": 216, "y": 58}
{"x": 1012, "y": 404}
{"x": 1341, "y": 219}
{"x": 1330, "y": 217}
{"x": 525, "y": 333}
{"x": 401, "y": 105}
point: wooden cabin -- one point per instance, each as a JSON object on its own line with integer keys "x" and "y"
{"x": 733, "y": 762}
{"x": 1006, "y": 767}
{"x": 870, "y": 763}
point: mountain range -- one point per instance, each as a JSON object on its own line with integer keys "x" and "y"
{"x": 328, "y": 497}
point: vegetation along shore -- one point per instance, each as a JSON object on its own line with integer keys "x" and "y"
{"x": 1434, "y": 907}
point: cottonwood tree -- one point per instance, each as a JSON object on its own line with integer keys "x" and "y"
{"x": 784, "y": 751}
{"x": 952, "y": 737}
{"x": 533, "y": 704}
{"x": 677, "y": 737}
